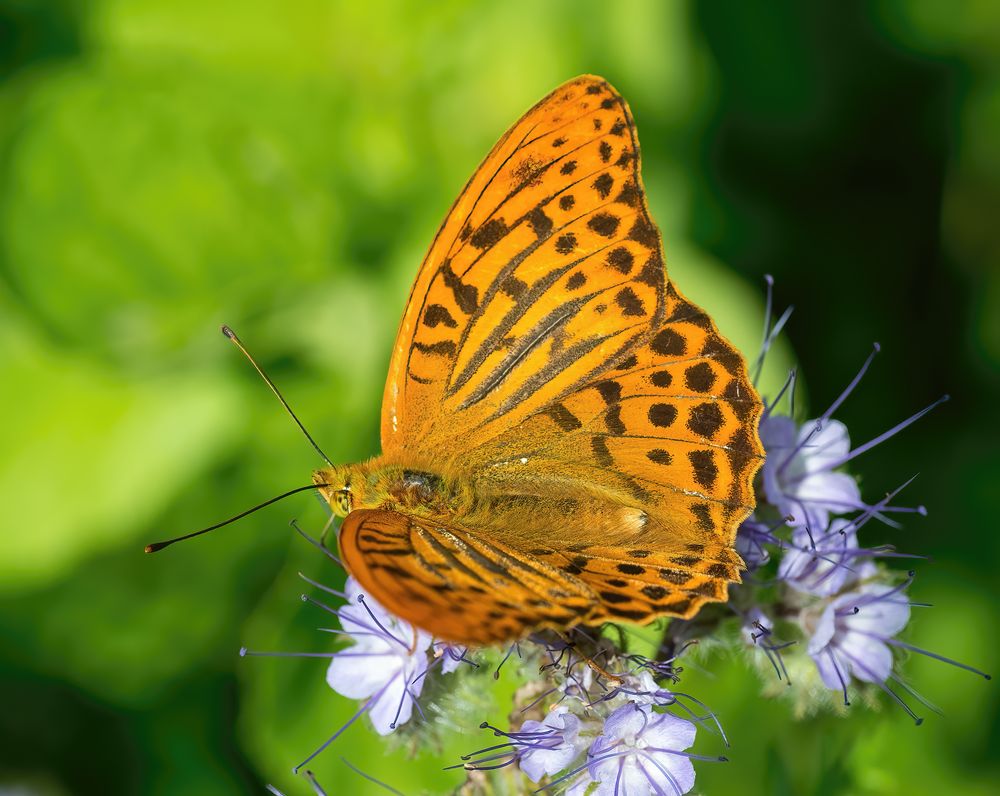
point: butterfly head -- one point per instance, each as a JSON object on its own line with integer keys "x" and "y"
{"x": 338, "y": 488}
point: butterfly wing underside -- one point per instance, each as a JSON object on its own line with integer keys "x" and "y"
{"x": 459, "y": 585}
{"x": 466, "y": 586}
{"x": 543, "y": 341}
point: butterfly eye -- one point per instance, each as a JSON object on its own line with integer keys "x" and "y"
{"x": 342, "y": 503}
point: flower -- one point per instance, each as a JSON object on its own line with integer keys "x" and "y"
{"x": 549, "y": 746}
{"x": 853, "y": 634}
{"x": 641, "y": 752}
{"x": 798, "y": 472}
{"x": 386, "y": 664}
{"x": 451, "y": 656}
{"x": 822, "y": 563}
{"x": 753, "y": 542}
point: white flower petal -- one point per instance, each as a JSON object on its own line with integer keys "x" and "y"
{"x": 666, "y": 731}
{"x": 778, "y": 435}
{"x": 680, "y": 770}
{"x": 824, "y": 447}
{"x": 392, "y": 702}
{"x": 633, "y": 744}
{"x": 871, "y": 659}
{"x": 358, "y": 675}
{"x": 837, "y": 492}
{"x": 451, "y": 658}
{"x": 629, "y": 719}
{"x": 537, "y": 762}
{"x": 825, "y": 628}
{"x": 885, "y": 616}
{"x": 833, "y": 669}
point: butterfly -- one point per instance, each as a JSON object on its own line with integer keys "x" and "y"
{"x": 565, "y": 438}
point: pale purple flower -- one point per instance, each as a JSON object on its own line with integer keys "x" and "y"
{"x": 385, "y": 665}
{"x": 754, "y": 540}
{"x": 798, "y": 473}
{"x": 801, "y": 470}
{"x": 451, "y": 656}
{"x": 549, "y": 746}
{"x": 853, "y": 635}
{"x": 641, "y": 752}
{"x": 757, "y": 632}
{"x": 822, "y": 562}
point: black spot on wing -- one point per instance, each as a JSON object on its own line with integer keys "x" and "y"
{"x": 436, "y": 314}
{"x": 654, "y": 592}
{"x": 630, "y": 303}
{"x": 613, "y": 420}
{"x": 513, "y": 287}
{"x": 660, "y": 456}
{"x": 599, "y": 447}
{"x": 603, "y": 185}
{"x": 705, "y": 419}
{"x": 604, "y": 224}
{"x": 441, "y": 348}
{"x": 661, "y": 378}
{"x": 540, "y": 223}
{"x": 662, "y": 415}
{"x": 630, "y": 194}
{"x": 566, "y": 244}
{"x": 700, "y": 377}
{"x": 652, "y": 272}
{"x": 565, "y": 419}
{"x": 644, "y": 233}
{"x": 704, "y": 467}
{"x": 611, "y": 391}
{"x": 489, "y": 234}
{"x": 703, "y": 516}
{"x": 466, "y": 296}
{"x": 620, "y": 259}
{"x": 669, "y": 343}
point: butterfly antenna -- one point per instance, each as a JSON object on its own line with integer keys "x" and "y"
{"x": 152, "y": 548}
{"x": 236, "y": 341}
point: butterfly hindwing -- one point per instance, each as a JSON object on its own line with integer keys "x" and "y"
{"x": 457, "y": 583}
{"x": 635, "y": 583}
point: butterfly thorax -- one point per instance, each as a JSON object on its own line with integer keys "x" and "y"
{"x": 376, "y": 484}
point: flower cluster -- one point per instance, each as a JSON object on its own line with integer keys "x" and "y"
{"x": 608, "y": 728}
{"x": 802, "y": 543}
{"x": 592, "y": 719}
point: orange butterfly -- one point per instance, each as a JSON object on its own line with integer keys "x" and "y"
{"x": 566, "y": 439}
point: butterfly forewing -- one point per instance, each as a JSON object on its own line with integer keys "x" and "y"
{"x": 547, "y": 268}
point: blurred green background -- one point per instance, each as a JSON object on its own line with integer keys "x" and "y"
{"x": 166, "y": 166}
